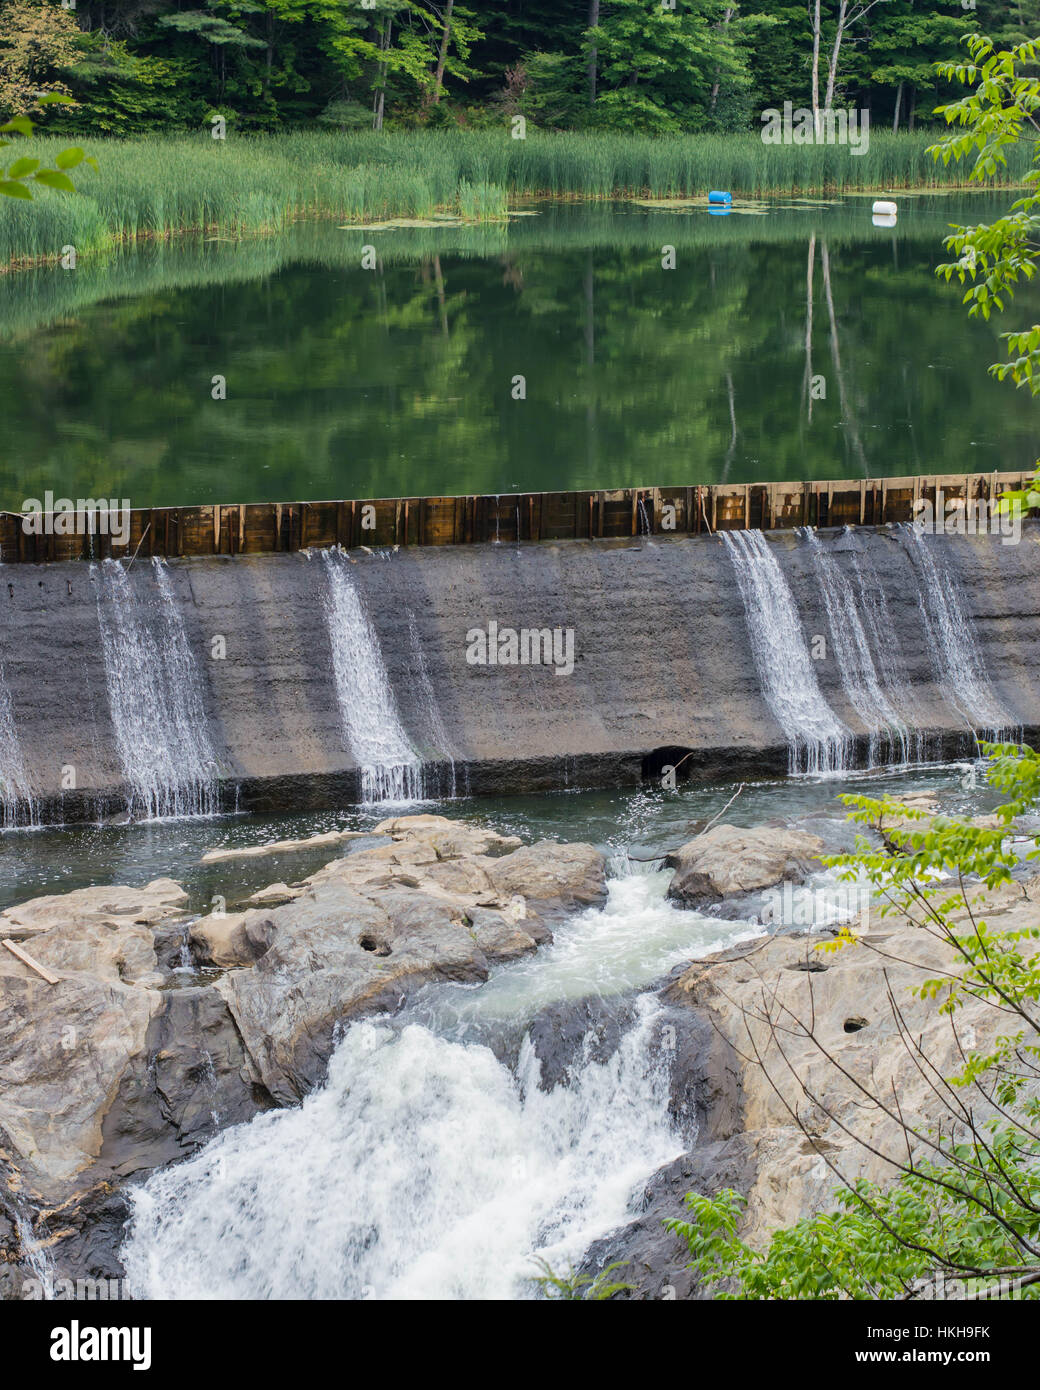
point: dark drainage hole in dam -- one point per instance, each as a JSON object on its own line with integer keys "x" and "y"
{"x": 668, "y": 766}
{"x": 853, "y": 1025}
{"x": 369, "y": 943}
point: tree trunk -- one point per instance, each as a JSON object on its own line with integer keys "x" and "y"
{"x": 913, "y": 107}
{"x": 593, "y": 54}
{"x": 810, "y": 268}
{"x": 715, "y": 85}
{"x": 270, "y": 52}
{"x": 816, "y": 66}
{"x": 380, "y": 102}
{"x": 832, "y": 67}
{"x": 442, "y": 57}
{"x": 899, "y": 100}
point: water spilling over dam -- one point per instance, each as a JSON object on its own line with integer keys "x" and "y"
{"x": 154, "y": 695}
{"x": 389, "y": 767}
{"x": 17, "y": 800}
{"x": 290, "y": 681}
{"x": 818, "y": 741}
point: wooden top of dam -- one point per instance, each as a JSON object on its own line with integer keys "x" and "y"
{"x": 260, "y": 528}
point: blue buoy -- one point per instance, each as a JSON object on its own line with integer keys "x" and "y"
{"x": 718, "y": 197}
{"x": 723, "y": 211}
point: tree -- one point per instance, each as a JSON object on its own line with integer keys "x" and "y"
{"x": 38, "y": 41}
{"x": 658, "y": 67}
{"x": 1002, "y": 111}
{"x": 849, "y": 14}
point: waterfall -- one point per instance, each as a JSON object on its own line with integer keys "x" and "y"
{"x": 875, "y": 614}
{"x": 955, "y": 655}
{"x": 817, "y": 740}
{"x": 438, "y": 734}
{"x": 390, "y": 769}
{"x": 155, "y": 697}
{"x": 18, "y": 804}
{"x": 34, "y": 1254}
{"x": 859, "y": 676}
{"x": 425, "y": 1168}
{"x": 428, "y": 1167}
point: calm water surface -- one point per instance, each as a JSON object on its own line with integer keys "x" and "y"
{"x": 345, "y": 382}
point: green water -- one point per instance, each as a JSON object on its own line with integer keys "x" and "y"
{"x": 347, "y": 382}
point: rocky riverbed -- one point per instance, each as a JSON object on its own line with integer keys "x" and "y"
{"x": 164, "y": 1028}
{"x": 118, "y": 1069}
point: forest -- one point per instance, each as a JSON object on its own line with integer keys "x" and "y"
{"x": 651, "y": 67}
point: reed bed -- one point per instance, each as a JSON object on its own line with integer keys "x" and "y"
{"x": 38, "y": 297}
{"x": 159, "y": 186}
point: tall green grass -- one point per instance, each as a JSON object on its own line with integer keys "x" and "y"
{"x": 161, "y": 185}
{"x": 38, "y": 298}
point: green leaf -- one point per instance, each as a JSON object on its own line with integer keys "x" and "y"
{"x": 19, "y": 125}
{"x": 21, "y": 167}
{"x": 68, "y": 159}
{"x": 51, "y": 178}
{"x": 14, "y": 190}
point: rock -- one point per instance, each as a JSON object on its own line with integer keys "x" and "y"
{"x": 193, "y": 1078}
{"x": 728, "y": 860}
{"x": 312, "y": 842}
{"x": 158, "y": 901}
{"x": 572, "y": 1031}
{"x": 274, "y": 895}
{"x": 231, "y": 939}
{"x": 845, "y": 996}
{"x": 104, "y": 1075}
{"x": 65, "y": 1048}
{"x": 551, "y": 877}
{"x": 449, "y": 838}
{"x": 653, "y": 1260}
{"x": 500, "y": 936}
{"x": 365, "y": 931}
{"x": 335, "y": 956}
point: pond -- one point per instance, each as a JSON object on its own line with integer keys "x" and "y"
{"x": 792, "y": 339}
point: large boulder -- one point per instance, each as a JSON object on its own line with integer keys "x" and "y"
{"x": 817, "y": 1033}
{"x": 64, "y": 1050}
{"x": 366, "y": 930}
{"x": 551, "y": 877}
{"x": 336, "y": 955}
{"x": 159, "y": 901}
{"x": 449, "y": 838}
{"x": 104, "y": 1074}
{"x": 728, "y": 860}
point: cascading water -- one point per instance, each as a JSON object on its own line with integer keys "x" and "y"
{"x": 390, "y": 769}
{"x": 18, "y": 803}
{"x": 876, "y": 617}
{"x": 887, "y": 733}
{"x": 427, "y": 1167}
{"x": 34, "y": 1255}
{"x": 427, "y": 700}
{"x": 955, "y": 655}
{"x": 817, "y": 740}
{"x": 155, "y": 697}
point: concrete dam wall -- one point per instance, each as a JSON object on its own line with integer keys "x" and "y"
{"x": 318, "y": 679}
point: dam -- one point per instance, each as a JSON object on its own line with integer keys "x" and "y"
{"x": 406, "y": 805}
{"x": 313, "y": 678}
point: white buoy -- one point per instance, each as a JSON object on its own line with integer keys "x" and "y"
{"x": 884, "y": 219}
{"x": 885, "y": 208}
